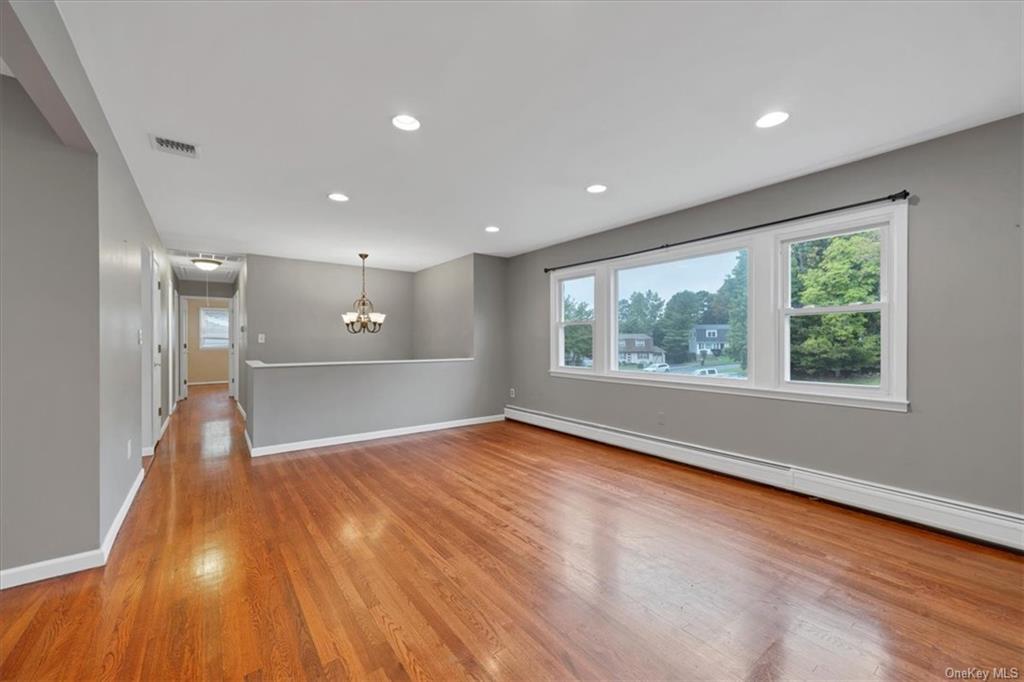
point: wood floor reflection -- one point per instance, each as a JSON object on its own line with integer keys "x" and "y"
{"x": 500, "y": 551}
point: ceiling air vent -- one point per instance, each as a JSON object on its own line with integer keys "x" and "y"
{"x": 165, "y": 144}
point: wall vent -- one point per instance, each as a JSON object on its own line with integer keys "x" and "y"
{"x": 165, "y": 144}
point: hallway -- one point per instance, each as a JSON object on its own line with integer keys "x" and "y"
{"x": 499, "y": 551}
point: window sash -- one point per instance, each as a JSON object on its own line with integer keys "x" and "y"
{"x": 768, "y": 312}
{"x": 206, "y": 337}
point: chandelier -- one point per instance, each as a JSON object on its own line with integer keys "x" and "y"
{"x": 363, "y": 319}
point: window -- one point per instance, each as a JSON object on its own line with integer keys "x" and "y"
{"x": 213, "y": 328}
{"x": 812, "y": 310}
{"x": 834, "y": 311}
{"x": 666, "y": 307}
{"x": 576, "y": 322}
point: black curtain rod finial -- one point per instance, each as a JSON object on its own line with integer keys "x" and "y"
{"x": 898, "y": 196}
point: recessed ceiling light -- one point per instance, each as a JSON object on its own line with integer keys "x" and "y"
{"x": 337, "y": 196}
{"x": 597, "y": 189}
{"x": 492, "y": 228}
{"x": 405, "y": 122}
{"x": 772, "y": 119}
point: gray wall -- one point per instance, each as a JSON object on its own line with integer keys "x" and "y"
{"x": 190, "y": 287}
{"x": 443, "y": 310}
{"x": 298, "y": 305}
{"x": 126, "y": 233}
{"x": 49, "y": 339}
{"x": 304, "y": 403}
{"x": 962, "y": 437}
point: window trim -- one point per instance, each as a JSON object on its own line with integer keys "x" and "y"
{"x": 767, "y": 284}
{"x": 558, "y": 324}
{"x": 202, "y": 326}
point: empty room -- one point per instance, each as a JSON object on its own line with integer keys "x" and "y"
{"x": 597, "y": 340}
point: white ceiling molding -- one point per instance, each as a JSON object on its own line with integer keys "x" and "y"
{"x": 522, "y": 106}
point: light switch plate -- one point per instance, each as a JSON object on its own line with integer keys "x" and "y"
{"x": 261, "y": 338}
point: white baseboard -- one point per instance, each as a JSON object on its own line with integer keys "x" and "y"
{"x": 248, "y": 443}
{"x": 369, "y": 435}
{"x": 63, "y": 565}
{"x": 50, "y": 568}
{"x": 122, "y": 513}
{"x": 241, "y": 410}
{"x": 206, "y": 383}
{"x": 964, "y": 518}
{"x": 147, "y": 451}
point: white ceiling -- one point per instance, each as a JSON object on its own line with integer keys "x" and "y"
{"x": 522, "y": 105}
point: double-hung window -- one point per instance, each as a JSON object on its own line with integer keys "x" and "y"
{"x": 213, "y": 328}
{"x": 812, "y": 310}
{"x": 575, "y": 322}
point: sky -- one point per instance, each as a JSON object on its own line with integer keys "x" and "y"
{"x": 695, "y": 274}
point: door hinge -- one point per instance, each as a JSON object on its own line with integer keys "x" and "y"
{"x": 160, "y": 411}
{"x": 185, "y": 346}
{"x": 185, "y": 380}
{"x": 159, "y": 348}
{"x": 159, "y": 285}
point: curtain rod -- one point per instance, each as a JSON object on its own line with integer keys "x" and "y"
{"x": 898, "y": 196}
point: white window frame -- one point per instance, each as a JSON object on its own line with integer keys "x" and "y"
{"x": 767, "y": 312}
{"x": 557, "y": 346}
{"x": 710, "y": 333}
{"x": 202, "y": 327}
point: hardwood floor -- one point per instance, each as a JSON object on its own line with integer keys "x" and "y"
{"x": 501, "y": 551}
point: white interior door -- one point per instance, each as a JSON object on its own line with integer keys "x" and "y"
{"x": 157, "y": 348}
{"x": 232, "y": 348}
{"x": 182, "y": 348}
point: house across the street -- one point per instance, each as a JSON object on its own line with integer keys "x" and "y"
{"x": 709, "y": 337}
{"x": 639, "y": 349}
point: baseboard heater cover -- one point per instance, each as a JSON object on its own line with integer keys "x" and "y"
{"x": 963, "y": 518}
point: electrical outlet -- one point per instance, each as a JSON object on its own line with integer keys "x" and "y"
{"x": 511, "y": 393}
{"x": 261, "y": 338}
{"x": 129, "y": 455}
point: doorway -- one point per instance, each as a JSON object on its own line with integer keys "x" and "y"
{"x": 205, "y": 353}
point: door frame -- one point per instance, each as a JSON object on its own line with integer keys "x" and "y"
{"x": 233, "y": 347}
{"x": 156, "y": 369}
{"x": 183, "y": 338}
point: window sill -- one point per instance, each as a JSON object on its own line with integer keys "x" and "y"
{"x": 864, "y": 402}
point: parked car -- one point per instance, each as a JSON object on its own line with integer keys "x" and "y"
{"x": 706, "y": 372}
{"x": 657, "y": 367}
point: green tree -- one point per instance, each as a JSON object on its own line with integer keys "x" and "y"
{"x": 682, "y": 311}
{"x": 836, "y": 271}
{"x": 733, "y": 294}
{"x": 578, "y": 339}
{"x": 639, "y": 314}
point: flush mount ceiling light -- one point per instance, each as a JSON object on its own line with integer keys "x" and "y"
{"x": 492, "y": 228}
{"x": 207, "y": 263}
{"x": 337, "y": 196}
{"x": 597, "y": 189}
{"x": 772, "y": 119}
{"x": 405, "y": 122}
{"x": 363, "y": 319}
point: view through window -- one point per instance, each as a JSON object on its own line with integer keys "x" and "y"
{"x": 577, "y": 322}
{"x": 834, "y": 315}
{"x": 685, "y": 317}
{"x": 213, "y": 328}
